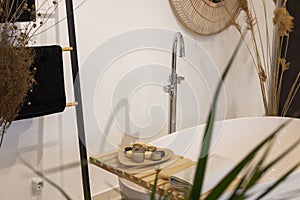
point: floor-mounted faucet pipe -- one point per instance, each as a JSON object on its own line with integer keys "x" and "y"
{"x": 174, "y": 79}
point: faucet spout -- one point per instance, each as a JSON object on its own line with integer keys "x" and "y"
{"x": 177, "y": 39}
{"x": 174, "y": 79}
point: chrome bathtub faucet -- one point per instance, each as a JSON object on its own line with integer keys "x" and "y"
{"x": 174, "y": 79}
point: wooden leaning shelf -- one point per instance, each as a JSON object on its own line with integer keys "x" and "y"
{"x": 145, "y": 175}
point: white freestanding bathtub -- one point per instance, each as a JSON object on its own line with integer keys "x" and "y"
{"x": 233, "y": 139}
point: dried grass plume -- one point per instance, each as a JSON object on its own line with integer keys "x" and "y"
{"x": 283, "y": 20}
{"x": 16, "y": 80}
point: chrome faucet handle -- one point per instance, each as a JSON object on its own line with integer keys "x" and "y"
{"x": 172, "y": 78}
{"x": 179, "y": 79}
{"x": 168, "y": 88}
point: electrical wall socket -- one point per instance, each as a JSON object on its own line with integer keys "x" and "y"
{"x": 37, "y": 184}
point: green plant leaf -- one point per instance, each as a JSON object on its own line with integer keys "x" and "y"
{"x": 261, "y": 170}
{"x": 257, "y": 171}
{"x": 282, "y": 155}
{"x": 227, "y": 180}
{"x": 153, "y": 192}
{"x": 269, "y": 189}
{"x": 238, "y": 187}
{"x": 200, "y": 171}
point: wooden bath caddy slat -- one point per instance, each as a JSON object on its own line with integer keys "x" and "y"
{"x": 145, "y": 175}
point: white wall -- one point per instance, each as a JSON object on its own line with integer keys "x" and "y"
{"x": 122, "y": 92}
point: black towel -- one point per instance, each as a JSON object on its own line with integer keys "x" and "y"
{"x": 48, "y": 94}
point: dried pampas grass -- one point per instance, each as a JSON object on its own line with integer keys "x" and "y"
{"x": 270, "y": 63}
{"x": 16, "y": 59}
{"x": 16, "y": 80}
{"x": 284, "y": 21}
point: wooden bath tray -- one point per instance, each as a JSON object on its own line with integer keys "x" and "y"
{"x": 145, "y": 175}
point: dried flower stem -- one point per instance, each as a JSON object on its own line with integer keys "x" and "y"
{"x": 270, "y": 69}
{"x": 277, "y": 79}
{"x": 263, "y": 69}
{"x": 258, "y": 64}
{"x": 291, "y": 95}
{"x": 268, "y": 59}
{"x": 259, "y": 36}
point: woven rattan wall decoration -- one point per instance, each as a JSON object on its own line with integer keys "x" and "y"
{"x": 206, "y": 17}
